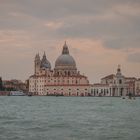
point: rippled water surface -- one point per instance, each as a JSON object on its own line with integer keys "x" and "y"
{"x": 69, "y": 118}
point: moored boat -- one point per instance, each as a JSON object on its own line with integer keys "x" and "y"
{"x": 16, "y": 93}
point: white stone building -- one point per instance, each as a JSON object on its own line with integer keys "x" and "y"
{"x": 111, "y": 85}
{"x": 99, "y": 89}
{"x": 137, "y": 87}
{"x": 130, "y": 81}
{"x": 63, "y": 80}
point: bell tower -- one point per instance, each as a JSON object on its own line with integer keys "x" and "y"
{"x": 37, "y": 63}
{"x": 120, "y": 81}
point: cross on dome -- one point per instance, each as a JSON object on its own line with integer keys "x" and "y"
{"x": 119, "y": 69}
{"x": 65, "y": 49}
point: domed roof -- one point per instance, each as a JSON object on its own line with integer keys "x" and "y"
{"x": 45, "y": 63}
{"x": 65, "y": 59}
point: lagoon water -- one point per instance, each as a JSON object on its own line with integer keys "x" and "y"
{"x": 69, "y": 118}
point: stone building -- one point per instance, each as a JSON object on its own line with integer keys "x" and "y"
{"x": 111, "y": 85}
{"x": 14, "y": 84}
{"x": 64, "y": 79}
{"x": 137, "y": 87}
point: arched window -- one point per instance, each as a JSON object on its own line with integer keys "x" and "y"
{"x": 104, "y": 91}
{"x": 107, "y": 91}
{"x": 68, "y": 73}
{"x": 120, "y": 81}
{"x": 101, "y": 90}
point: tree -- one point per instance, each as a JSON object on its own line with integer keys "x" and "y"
{"x": 1, "y": 85}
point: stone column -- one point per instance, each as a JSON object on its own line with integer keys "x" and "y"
{"x": 118, "y": 94}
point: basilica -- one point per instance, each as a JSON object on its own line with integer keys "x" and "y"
{"x": 65, "y": 80}
{"x": 62, "y": 80}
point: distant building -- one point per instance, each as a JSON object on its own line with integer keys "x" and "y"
{"x": 99, "y": 89}
{"x": 1, "y": 84}
{"x": 130, "y": 81}
{"x": 14, "y": 85}
{"x": 63, "y": 80}
{"x": 137, "y": 87}
{"x": 4, "y": 93}
{"x": 66, "y": 80}
{"x": 111, "y": 85}
{"x": 116, "y": 85}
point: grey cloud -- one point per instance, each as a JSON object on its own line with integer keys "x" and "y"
{"x": 115, "y": 34}
{"x": 135, "y": 58}
{"x": 114, "y": 22}
{"x": 61, "y": 8}
{"x": 108, "y": 20}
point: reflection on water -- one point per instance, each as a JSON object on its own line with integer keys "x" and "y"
{"x": 69, "y": 118}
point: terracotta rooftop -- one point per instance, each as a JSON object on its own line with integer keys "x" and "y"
{"x": 131, "y": 78}
{"x": 99, "y": 84}
{"x": 111, "y": 76}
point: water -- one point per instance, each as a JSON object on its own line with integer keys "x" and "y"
{"x": 69, "y": 118}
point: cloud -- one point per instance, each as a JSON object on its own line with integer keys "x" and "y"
{"x": 54, "y": 25}
{"x": 134, "y": 58}
{"x": 100, "y": 33}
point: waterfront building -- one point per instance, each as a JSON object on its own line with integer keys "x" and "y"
{"x": 99, "y": 89}
{"x": 1, "y": 84}
{"x": 64, "y": 79}
{"x": 130, "y": 81}
{"x": 111, "y": 85}
{"x": 14, "y": 85}
{"x": 137, "y": 87}
{"x": 4, "y": 93}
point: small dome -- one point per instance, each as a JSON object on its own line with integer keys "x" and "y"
{"x": 65, "y": 60}
{"x": 45, "y": 63}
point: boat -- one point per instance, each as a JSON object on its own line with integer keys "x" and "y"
{"x": 16, "y": 93}
{"x": 123, "y": 97}
{"x": 29, "y": 94}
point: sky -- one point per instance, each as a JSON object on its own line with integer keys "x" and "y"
{"x": 101, "y": 34}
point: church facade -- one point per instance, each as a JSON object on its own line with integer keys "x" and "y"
{"x": 63, "y": 80}
{"x": 114, "y": 85}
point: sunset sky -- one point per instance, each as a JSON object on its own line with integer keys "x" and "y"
{"x": 100, "y": 34}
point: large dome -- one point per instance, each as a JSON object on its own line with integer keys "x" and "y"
{"x": 65, "y": 60}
